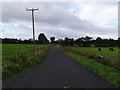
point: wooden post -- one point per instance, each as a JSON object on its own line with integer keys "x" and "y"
{"x": 33, "y": 9}
{"x": 17, "y": 53}
{"x": 34, "y": 50}
{"x": 28, "y": 53}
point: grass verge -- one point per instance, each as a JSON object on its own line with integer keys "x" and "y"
{"x": 111, "y": 75}
{"x": 99, "y": 58}
{"x": 22, "y": 65}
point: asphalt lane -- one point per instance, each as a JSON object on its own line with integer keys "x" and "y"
{"x": 57, "y": 71}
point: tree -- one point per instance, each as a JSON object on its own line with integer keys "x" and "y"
{"x": 105, "y": 43}
{"x": 42, "y": 39}
{"x": 86, "y": 41}
{"x": 79, "y": 41}
{"x": 112, "y": 42}
{"x": 52, "y": 39}
{"x": 99, "y": 39}
{"x": 67, "y": 42}
{"x": 98, "y": 42}
{"x": 87, "y": 38}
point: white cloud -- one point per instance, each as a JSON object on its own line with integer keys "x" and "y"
{"x": 61, "y": 19}
{"x": 99, "y": 14}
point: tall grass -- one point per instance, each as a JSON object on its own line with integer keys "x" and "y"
{"x": 26, "y": 59}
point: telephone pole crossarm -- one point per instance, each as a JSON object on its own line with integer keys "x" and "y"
{"x": 30, "y": 9}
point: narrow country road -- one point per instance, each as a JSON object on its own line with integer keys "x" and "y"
{"x": 57, "y": 71}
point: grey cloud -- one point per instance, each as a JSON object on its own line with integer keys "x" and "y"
{"x": 50, "y": 15}
{"x": 13, "y": 11}
{"x": 17, "y": 11}
{"x": 21, "y": 26}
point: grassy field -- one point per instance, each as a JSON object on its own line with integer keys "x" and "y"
{"x": 110, "y": 57}
{"x": 94, "y": 50}
{"x": 9, "y": 51}
{"x": 18, "y": 58}
{"x": 108, "y": 73}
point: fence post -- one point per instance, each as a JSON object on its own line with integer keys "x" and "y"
{"x": 28, "y": 53}
{"x": 34, "y": 50}
{"x": 17, "y": 53}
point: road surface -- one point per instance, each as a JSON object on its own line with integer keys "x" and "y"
{"x": 57, "y": 71}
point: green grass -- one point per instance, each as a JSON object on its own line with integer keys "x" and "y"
{"x": 94, "y": 50}
{"x": 12, "y": 66}
{"x": 9, "y": 50}
{"x": 93, "y": 53}
{"x": 111, "y": 75}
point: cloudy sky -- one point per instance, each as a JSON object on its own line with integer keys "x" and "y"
{"x": 60, "y": 19}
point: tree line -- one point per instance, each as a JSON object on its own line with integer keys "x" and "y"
{"x": 81, "y": 42}
{"x": 88, "y": 41}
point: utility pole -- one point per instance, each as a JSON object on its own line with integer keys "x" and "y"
{"x": 33, "y": 9}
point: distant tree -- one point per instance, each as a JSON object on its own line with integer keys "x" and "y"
{"x": 10, "y": 41}
{"x": 98, "y": 42}
{"x": 52, "y": 39}
{"x": 67, "y": 42}
{"x": 71, "y": 42}
{"x": 79, "y": 42}
{"x": 20, "y": 41}
{"x": 112, "y": 42}
{"x": 86, "y": 41}
{"x": 87, "y": 38}
{"x": 61, "y": 42}
{"x": 42, "y": 39}
{"x": 99, "y": 39}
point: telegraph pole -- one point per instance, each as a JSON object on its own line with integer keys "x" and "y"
{"x": 33, "y": 9}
